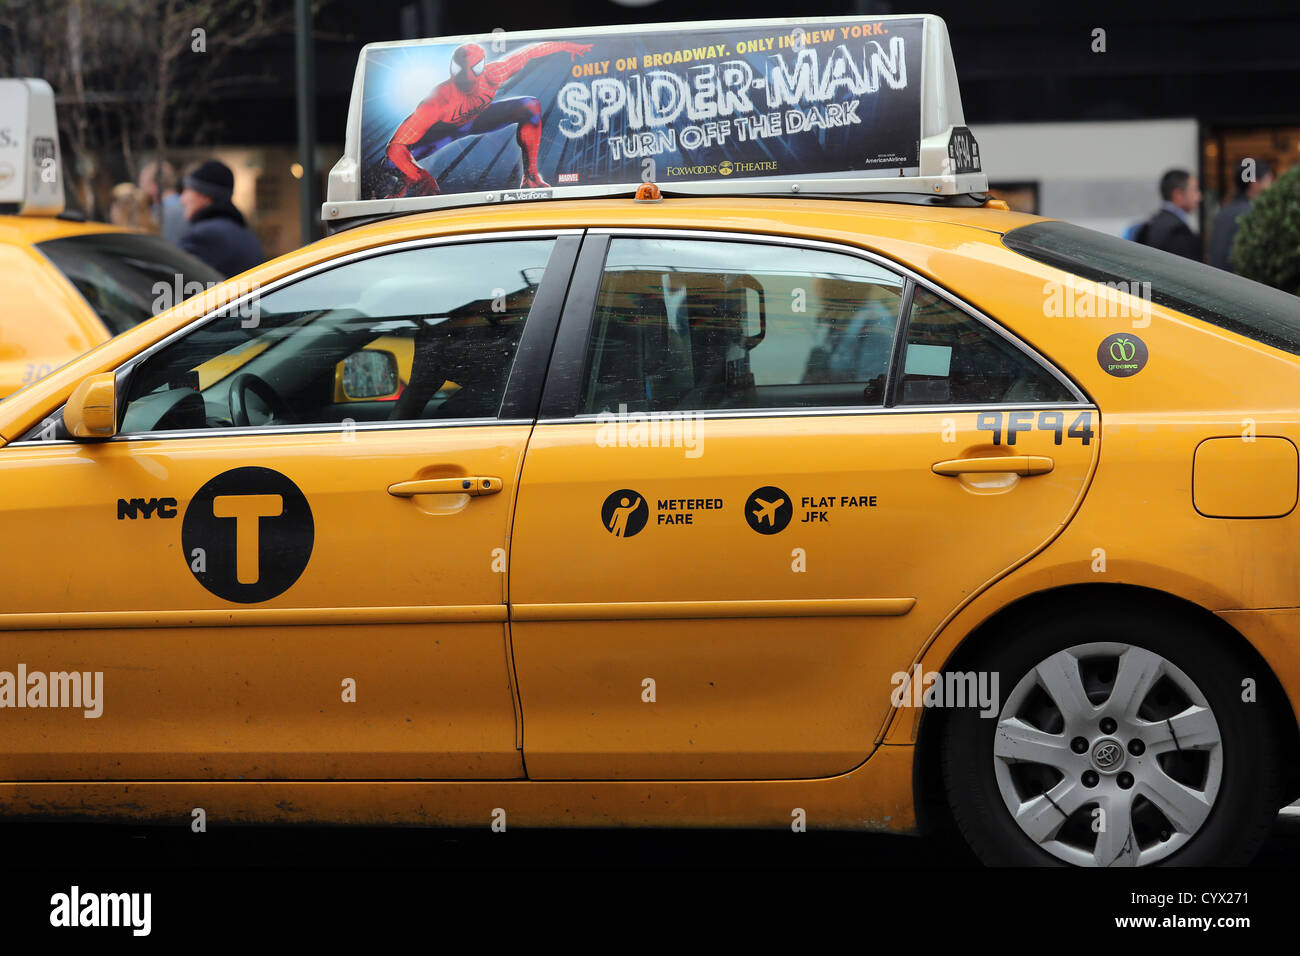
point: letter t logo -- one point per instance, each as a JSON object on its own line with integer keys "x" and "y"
{"x": 247, "y": 510}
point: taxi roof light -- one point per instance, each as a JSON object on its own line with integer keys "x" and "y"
{"x": 31, "y": 170}
{"x": 829, "y": 106}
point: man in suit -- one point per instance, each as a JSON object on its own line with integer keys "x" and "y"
{"x": 1225, "y": 223}
{"x": 1172, "y": 227}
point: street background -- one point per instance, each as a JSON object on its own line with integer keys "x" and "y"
{"x": 1071, "y": 124}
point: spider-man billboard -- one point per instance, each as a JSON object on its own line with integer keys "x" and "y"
{"x": 839, "y": 97}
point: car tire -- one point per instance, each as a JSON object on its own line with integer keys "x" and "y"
{"x": 1201, "y": 790}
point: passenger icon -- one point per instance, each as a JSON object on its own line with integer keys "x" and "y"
{"x": 624, "y": 513}
{"x": 768, "y": 510}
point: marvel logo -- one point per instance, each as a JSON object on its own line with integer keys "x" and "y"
{"x": 567, "y": 178}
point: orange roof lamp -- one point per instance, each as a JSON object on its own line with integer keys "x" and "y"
{"x": 648, "y": 192}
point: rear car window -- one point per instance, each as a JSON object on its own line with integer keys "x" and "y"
{"x": 1221, "y": 298}
{"x": 116, "y": 273}
{"x": 951, "y": 359}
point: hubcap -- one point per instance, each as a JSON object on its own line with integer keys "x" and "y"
{"x": 1108, "y": 755}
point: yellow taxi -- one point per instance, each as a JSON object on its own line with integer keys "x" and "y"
{"x": 67, "y": 285}
{"x": 845, "y": 502}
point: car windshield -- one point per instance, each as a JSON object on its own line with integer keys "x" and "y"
{"x": 119, "y": 274}
{"x": 1248, "y": 308}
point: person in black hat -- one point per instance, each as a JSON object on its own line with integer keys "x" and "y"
{"x": 216, "y": 232}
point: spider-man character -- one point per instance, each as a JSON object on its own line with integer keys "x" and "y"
{"x": 464, "y": 106}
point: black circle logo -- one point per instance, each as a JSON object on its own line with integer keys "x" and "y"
{"x": 1122, "y": 354}
{"x": 248, "y": 534}
{"x": 624, "y": 513}
{"x": 768, "y": 510}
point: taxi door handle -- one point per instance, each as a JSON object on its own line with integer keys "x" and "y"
{"x": 469, "y": 485}
{"x": 1015, "y": 464}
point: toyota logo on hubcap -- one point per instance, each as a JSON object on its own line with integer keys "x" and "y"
{"x": 1107, "y": 755}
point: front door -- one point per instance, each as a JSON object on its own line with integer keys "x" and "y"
{"x": 291, "y": 563}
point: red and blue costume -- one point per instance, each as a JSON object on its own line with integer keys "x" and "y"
{"x": 466, "y": 105}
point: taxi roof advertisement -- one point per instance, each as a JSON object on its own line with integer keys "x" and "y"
{"x": 822, "y": 104}
{"x": 736, "y": 99}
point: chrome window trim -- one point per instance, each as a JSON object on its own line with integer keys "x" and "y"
{"x": 124, "y": 370}
{"x": 1081, "y": 398}
{"x": 823, "y": 412}
{"x": 322, "y": 428}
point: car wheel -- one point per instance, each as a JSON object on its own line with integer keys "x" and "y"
{"x": 1121, "y": 739}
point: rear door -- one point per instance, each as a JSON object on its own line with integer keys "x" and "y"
{"x": 751, "y": 496}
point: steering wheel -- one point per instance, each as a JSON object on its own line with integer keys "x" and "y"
{"x": 250, "y": 384}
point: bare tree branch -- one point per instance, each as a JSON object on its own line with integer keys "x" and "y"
{"x": 131, "y": 76}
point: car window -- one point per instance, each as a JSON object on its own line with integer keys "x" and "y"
{"x": 124, "y": 276}
{"x": 952, "y": 358}
{"x": 427, "y": 333}
{"x": 1212, "y": 295}
{"x": 39, "y": 329}
{"x": 686, "y": 325}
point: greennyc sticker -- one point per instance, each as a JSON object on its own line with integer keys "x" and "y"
{"x": 1122, "y": 354}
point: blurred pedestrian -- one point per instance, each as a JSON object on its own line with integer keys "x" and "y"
{"x": 216, "y": 232}
{"x": 158, "y": 180}
{"x": 1224, "y": 229}
{"x": 129, "y": 208}
{"x": 1172, "y": 228}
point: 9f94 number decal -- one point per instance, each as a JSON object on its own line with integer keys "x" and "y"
{"x": 1054, "y": 422}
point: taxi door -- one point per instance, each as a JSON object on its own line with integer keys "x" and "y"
{"x": 749, "y": 499}
{"x": 236, "y": 597}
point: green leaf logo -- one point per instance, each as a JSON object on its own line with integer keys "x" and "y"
{"x": 1122, "y": 350}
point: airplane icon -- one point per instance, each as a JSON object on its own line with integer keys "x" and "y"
{"x": 767, "y": 510}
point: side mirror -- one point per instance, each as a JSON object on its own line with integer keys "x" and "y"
{"x": 91, "y": 411}
{"x": 368, "y": 374}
